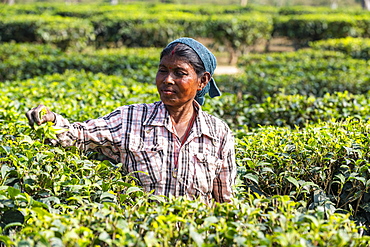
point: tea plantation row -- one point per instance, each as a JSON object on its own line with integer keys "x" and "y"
{"x": 285, "y": 89}
{"x": 60, "y": 197}
{"x": 302, "y": 147}
{"x": 233, "y": 28}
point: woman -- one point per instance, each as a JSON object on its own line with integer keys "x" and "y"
{"x": 179, "y": 149}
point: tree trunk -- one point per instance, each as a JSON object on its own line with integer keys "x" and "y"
{"x": 334, "y": 4}
{"x": 243, "y": 3}
{"x": 114, "y": 2}
{"x": 365, "y": 4}
{"x": 11, "y": 2}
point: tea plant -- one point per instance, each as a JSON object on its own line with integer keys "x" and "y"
{"x": 55, "y": 196}
{"x": 330, "y": 158}
{"x": 303, "y": 177}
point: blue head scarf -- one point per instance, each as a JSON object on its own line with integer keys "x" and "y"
{"x": 209, "y": 62}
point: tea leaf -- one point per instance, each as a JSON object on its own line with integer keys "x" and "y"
{"x": 198, "y": 239}
{"x": 252, "y": 177}
{"x": 293, "y": 181}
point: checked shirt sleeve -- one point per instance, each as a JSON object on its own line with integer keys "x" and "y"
{"x": 102, "y": 134}
{"x": 224, "y": 182}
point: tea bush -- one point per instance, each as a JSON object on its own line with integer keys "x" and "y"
{"x": 233, "y": 28}
{"x": 55, "y": 196}
{"x": 312, "y": 27}
{"x": 303, "y": 10}
{"x": 62, "y": 31}
{"x": 305, "y": 72}
{"x": 40, "y": 60}
{"x": 301, "y": 127}
{"x": 288, "y": 110}
{"x": 93, "y": 90}
{"x": 80, "y": 95}
{"x": 133, "y": 25}
{"x": 355, "y": 47}
{"x": 29, "y": 9}
{"x": 12, "y": 51}
{"x": 331, "y": 157}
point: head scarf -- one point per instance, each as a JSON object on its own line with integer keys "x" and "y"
{"x": 209, "y": 62}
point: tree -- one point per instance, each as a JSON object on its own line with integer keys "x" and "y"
{"x": 10, "y": 2}
{"x": 243, "y": 3}
{"x": 334, "y": 4}
{"x": 365, "y": 4}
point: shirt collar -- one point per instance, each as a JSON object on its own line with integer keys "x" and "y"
{"x": 204, "y": 122}
{"x": 161, "y": 117}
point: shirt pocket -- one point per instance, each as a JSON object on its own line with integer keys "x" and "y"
{"x": 206, "y": 169}
{"x": 146, "y": 161}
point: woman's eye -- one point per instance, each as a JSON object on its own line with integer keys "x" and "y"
{"x": 180, "y": 73}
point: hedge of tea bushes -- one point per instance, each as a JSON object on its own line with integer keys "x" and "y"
{"x": 143, "y": 25}
{"x": 276, "y": 98}
{"x": 61, "y": 31}
{"x": 10, "y": 51}
{"x": 328, "y": 160}
{"x": 142, "y": 29}
{"x": 94, "y": 89}
{"x": 55, "y": 196}
{"x": 279, "y": 109}
{"x": 312, "y": 27}
{"x": 265, "y": 75}
{"x": 20, "y": 61}
{"x": 231, "y": 27}
{"x": 28, "y": 9}
{"x": 303, "y": 10}
{"x": 76, "y": 93}
{"x": 89, "y": 10}
{"x": 355, "y": 47}
{"x": 288, "y": 110}
{"x": 305, "y": 72}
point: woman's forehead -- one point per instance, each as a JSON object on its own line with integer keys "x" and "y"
{"x": 175, "y": 61}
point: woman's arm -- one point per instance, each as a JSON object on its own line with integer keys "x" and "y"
{"x": 103, "y": 134}
{"x": 225, "y": 180}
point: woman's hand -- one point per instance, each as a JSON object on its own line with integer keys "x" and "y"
{"x": 40, "y": 115}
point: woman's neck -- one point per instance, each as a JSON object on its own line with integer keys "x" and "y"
{"x": 182, "y": 119}
{"x": 182, "y": 114}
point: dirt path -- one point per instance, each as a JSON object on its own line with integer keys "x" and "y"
{"x": 226, "y": 70}
{"x": 277, "y": 44}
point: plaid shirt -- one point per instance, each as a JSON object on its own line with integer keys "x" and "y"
{"x": 142, "y": 137}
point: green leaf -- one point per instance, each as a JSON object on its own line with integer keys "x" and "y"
{"x": 198, "y": 239}
{"x": 12, "y": 225}
{"x": 341, "y": 178}
{"x": 6, "y": 149}
{"x": 13, "y": 192}
{"x": 133, "y": 189}
{"x": 252, "y": 177}
{"x": 157, "y": 198}
{"x": 104, "y": 236}
{"x": 210, "y": 220}
{"x": 293, "y": 181}
{"x": 309, "y": 184}
{"x": 4, "y": 171}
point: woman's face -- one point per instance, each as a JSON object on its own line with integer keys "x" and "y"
{"x": 177, "y": 81}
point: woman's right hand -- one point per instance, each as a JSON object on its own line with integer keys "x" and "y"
{"x": 40, "y": 115}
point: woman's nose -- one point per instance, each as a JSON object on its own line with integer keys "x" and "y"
{"x": 168, "y": 79}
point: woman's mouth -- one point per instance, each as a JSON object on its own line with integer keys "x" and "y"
{"x": 168, "y": 91}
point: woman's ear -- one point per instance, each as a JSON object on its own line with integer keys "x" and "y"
{"x": 204, "y": 79}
